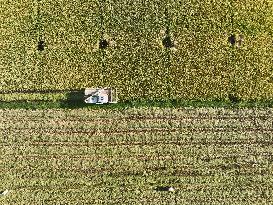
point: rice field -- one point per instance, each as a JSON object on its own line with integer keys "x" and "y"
{"x": 130, "y": 156}
{"x": 156, "y": 50}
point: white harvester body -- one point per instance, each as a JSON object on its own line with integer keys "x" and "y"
{"x": 100, "y": 95}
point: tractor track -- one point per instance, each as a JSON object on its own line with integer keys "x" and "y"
{"x": 38, "y": 91}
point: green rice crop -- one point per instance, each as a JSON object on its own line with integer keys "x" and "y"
{"x": 200, "y": 64}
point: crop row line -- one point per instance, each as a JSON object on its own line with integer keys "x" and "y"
{"x": 76, "y": 186}
{"x": 137, "y": 127}
{"x": 170, "y": 199}
{"x": 139, "y": 117}
{"x": 138, "y": 157}
{"x": 65, "y": 156}
{"x": 114, "y": 172}
{"x": 148, "y": 130}
{"x": 151, "y": 143}
{"x": 107, "y": 129}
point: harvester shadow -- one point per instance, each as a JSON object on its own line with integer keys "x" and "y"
{"x": 74, "y": 99}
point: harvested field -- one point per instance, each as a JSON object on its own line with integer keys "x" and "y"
{"x": 87, "y": 156}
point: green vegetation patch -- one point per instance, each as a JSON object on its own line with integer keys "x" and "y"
{"x": 153, "y": 50}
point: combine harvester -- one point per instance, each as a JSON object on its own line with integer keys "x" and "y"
{"x": 100, "y": 95}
